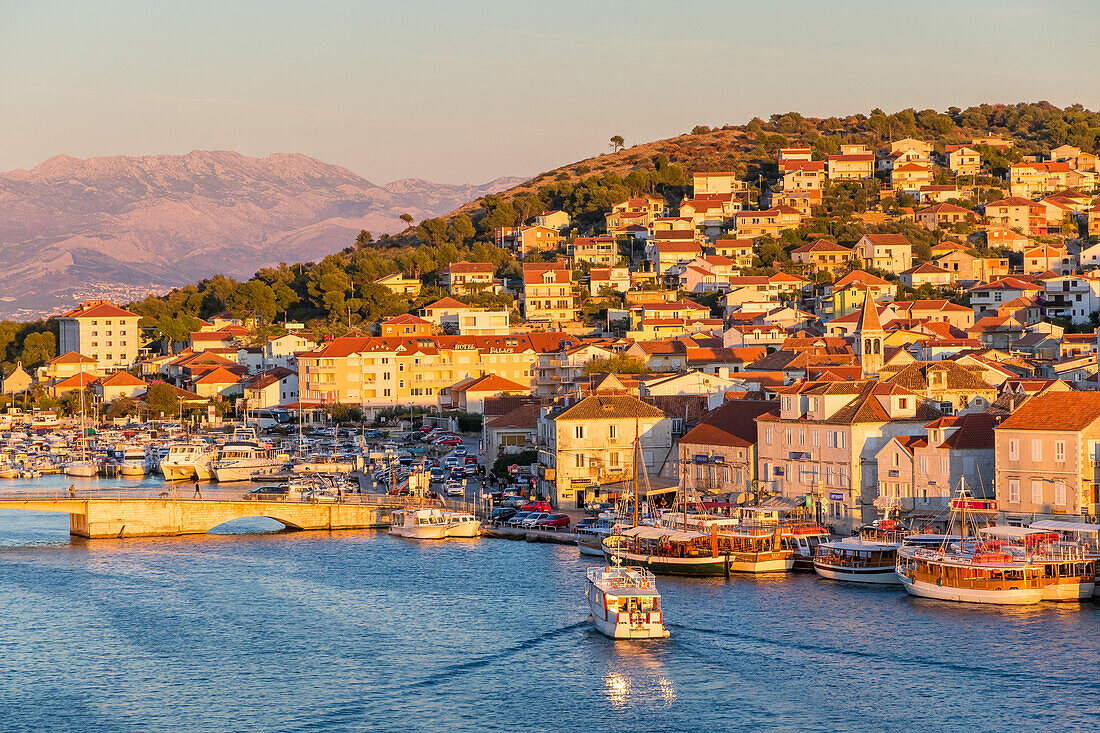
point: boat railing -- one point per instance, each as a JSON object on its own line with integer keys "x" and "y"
{"x": 184, "y": 493}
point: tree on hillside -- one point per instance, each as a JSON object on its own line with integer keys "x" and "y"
{"x": 617, "y": 143}
{"x": 38, "y": 348}
{"x": 407, "y": 218}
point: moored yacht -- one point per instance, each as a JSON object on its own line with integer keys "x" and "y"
{"x": 238, "y": 461}
{"x": 182, "y": 460}
{"x": 132, "y": 462}
{"x": 624, "y": 602}
{"x": 590, "y": 538}
{"x": 421, "y": 524}
{"x": 1068, "y": 574}
{"x": 462, "y": 524}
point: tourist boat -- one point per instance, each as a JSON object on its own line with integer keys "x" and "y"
{"x": 1083, "y": 534}
{"x": 9, "y": 472}
{"x": 969, "y": 571}
{"x": 462, "y": 524}
{"x": 132, "y": 462}
{"x": 749, "y": 548}
{"x": 1068, "y": 574}
{"x": 798, "y": 535}
{"x": 590, "y": 539}
{"x": 624, "y": 602}
{"x": 183, "y": 459}
{"x": 421, "y": 524}
{"x": 871, "y": 557}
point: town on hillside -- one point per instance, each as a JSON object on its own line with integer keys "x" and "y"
{"x": 952, "y": 343}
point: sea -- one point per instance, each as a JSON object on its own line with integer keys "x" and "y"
{"x": 253, "y": 628}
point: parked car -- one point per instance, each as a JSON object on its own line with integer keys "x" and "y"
{"x": 517, "y": 519}
{"x": 449, "y": 441}
{"x": 536, "y": 506}
{"x": 533, "y": 519}
{"x": 513, "y": 501}
{"x": 501, "y": 514}
{"x": 596, "y": 508}
{"x": 586, "y": 522}
{"x": 554, "y": 521}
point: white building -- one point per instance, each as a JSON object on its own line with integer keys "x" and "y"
{"x": 101, "y": 331}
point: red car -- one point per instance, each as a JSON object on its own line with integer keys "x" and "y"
{"x": 536, "y": 506}
{"x": 555, "y": 521}
{"x": 449, "y": 441}
{"x": 471, "y": 460}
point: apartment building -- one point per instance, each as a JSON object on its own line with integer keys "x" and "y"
{"x": 471, "y": 277}
{"x": 101, "y": 331}
{"x": 889, "y": 252}
{"x": 718, "y": 456}
{"x": 374, "y": 373}
{"x": 600, "y": 251}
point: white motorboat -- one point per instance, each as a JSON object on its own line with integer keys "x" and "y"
{"x": 624, "y": 602}
{"x": 183, "y": 460}
{"x": 869, "y": 558}
{"x": 132, "y": 462}
{"x": 590, "y": 538}
{"x": 462, "y": 524}
{"x": 238, "y": 461}
{"x": 81, "y": 468}
{"x": 420, "y": 524}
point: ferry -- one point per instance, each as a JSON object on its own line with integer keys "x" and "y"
{"x": 798, "y": 535}
{"x": 624, "y": 603}
{"x": 238, "y": 461}
{"x": 870, "y": 557}
{"x": 420, "y": 524}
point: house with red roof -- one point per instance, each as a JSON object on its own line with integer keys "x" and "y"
{"x": 823, "y": 255}
{"x": 718, "y": 455}
{"x": 889, "y": 252}
{"x": 472, "y": 277}
{"x": 944, "y": 215}
{"x": 406, "y": 325}
{"x": 468, "y": 395}
{"x": 119, "y": 384}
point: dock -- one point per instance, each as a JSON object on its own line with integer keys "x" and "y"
{"x": 530, "y": 535}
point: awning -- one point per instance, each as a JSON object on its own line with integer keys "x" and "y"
{"x": 656, "y": 533}
{"x": 1056, "y": 525}
{"x": 657, "y": 492}
{"x": 1011, "y": 532}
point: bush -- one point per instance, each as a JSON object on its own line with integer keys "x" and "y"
{"x": 468, "y": 422}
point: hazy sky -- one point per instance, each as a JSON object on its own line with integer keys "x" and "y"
{"x": 468, "y": 91}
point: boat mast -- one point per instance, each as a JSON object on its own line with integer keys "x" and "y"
{"x": 634, "y": 458}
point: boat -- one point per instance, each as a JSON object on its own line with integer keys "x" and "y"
{"x": 624, "y": 602}
{"x": 1083, "y": 534}
{"x": 462, "y": 524}
{"x": 183, "y": 460}
{"x": 132, "y": 462}
{"x": 750, "y": 547}
{"x": 870, "y": 557}
{"x": 1068, "y": 574}
{"x": 418, "y": 523}
{"x": 590, "y": 539}
{"x": 799, "y": 535}
{"x": 969, "y": 571}
{"x": 238, "y": 461}
{"x": 84, "y": 467}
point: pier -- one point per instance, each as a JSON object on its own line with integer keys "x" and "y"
{"x": 119, "y": 516}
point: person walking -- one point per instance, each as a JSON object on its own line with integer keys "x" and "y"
{"x": 72, "y": 491}
{"x": 198, "y": 494}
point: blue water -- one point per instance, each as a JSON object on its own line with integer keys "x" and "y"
{"x": 361, "y": 631}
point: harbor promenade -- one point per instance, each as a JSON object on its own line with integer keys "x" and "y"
{"x": 125, "y": 515}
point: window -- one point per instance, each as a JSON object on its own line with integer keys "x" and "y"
{"x": 385, "y": 393}
{"x": 1014, "y": 491}
{"x": 1060, "y": 451}
{"x": 1036, "y": 492}
{"x": 815, "y": 439}
{"x": 896, "y": 458}
{"x": 767, "y": 435}
{"x": 578, "y": 432}
{"x": 924, "y": 464}
{"x": 580, "y": 460}
{"x": 802, "y": 436}
{"x": 1013, "y": 450}
{"x": 612, "y": 432}
{"x": 1059, "y": 493}
{"x": 1036, "y": 450}
{"x": 613, "y": 459}
{"x": 788, "y": 435}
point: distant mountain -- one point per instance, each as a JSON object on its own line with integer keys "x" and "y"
{"x": 125, "y": 226}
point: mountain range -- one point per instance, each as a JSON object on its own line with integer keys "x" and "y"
{"x": 124, "y": 226}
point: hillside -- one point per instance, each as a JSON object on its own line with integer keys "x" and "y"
{"x": 125, "y": 226}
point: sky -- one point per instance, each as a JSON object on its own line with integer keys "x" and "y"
{"x": 463, "y": 92}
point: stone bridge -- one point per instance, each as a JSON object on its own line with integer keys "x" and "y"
{"x": 98, "y": 518}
